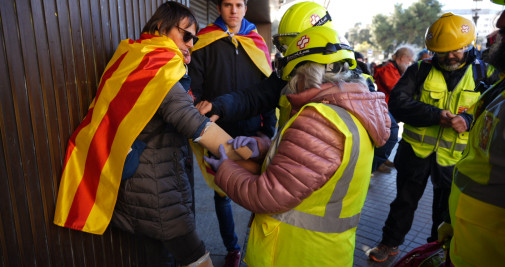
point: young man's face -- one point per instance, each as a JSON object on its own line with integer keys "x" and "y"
{"x": 232, "y": 12}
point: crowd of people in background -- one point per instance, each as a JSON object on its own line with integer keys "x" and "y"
{"x": 307, "y": 175}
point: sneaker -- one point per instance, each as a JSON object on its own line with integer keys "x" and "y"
{"x": 389, "y": 164}
{"x": 382, "y": 252}
{"x": 232, "y": 259}
{"x": 382, "y": 168}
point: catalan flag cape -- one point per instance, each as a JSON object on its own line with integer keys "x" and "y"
{"x": 256, "y": 49}
{"x": 248, "y": 37}
{"x": 134, "y": 83}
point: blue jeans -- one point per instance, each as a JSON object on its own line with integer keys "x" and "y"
{"x": 226, "y": 223}
{"x": 381, "y": 154}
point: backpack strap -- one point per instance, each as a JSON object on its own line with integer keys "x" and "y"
{"x": 479, "y": 70}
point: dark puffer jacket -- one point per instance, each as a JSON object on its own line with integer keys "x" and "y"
{"x": 157, "y": 200}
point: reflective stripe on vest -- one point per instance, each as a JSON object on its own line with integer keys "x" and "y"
{"x": 445, "y": 142}
{"x": 489, "y": 194}
{"x": 433, "y": 141}
{"x": 331, "y": 223}
{"x": 481, "y": 160}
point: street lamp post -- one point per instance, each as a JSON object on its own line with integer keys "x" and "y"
{"x": 476, "y": 12}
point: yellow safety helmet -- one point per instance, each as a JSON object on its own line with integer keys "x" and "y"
{"x": 317, "y": 44}
{"x": 298, "y": 18}
{"x": 450, "y": 32}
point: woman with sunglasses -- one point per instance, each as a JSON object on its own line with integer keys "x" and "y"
{"x": 157, "y": 200}
{"x": 142, "y": 96}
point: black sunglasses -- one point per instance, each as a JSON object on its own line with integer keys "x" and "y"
{"x": 188, "y": 36}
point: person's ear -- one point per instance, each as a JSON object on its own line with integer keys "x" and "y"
{"x": 218, "y": 9}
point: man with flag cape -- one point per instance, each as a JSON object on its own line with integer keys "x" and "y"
{"x": 230, "y": 55}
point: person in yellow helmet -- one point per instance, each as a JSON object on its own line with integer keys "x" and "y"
{"x": 433, "y": 99}
{"x": 477, "y": 202}
{"x": 297, "y": 18}
{"x": 309, "y": 197}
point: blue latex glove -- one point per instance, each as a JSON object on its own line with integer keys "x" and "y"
{"x": 250, "y": 142}
{"x": 215, "y": 163}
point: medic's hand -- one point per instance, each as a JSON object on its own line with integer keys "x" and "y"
{"x": 204, "y": 107}
{"x": 445, "y": 118}
{"x": 215, "y": 163}
{"x": 459, "y": 124}
{"x": 444, "y": 232}
{"x": 250, "y": 142}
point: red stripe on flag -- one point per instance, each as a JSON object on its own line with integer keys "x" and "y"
{"x": 108, "y": 73}
{"x": 101, "y": 143}
{"x": 209, "y": 28}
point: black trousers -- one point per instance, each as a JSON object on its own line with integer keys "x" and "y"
{"x": 411, "y": 180}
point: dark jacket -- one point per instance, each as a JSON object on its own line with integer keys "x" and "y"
{"x": 157, "y": 200}
{"x": 404, "y": 107}
{"x": 256, "y": 99}
{"x": 218, "y": 69}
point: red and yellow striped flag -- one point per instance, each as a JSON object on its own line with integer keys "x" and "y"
{"x": 253, "y": 44}
{"x": 134, "y": 84}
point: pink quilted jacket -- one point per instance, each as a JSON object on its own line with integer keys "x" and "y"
{"x": 310, "y": 151}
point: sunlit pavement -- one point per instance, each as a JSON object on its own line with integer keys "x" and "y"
{"x": 381, "y": 193}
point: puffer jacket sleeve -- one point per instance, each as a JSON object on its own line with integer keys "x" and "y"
{"x": 177, "y": 109}
{"x": 308, "y": 155}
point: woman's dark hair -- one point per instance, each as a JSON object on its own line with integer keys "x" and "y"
{"x": 167, "y": 16}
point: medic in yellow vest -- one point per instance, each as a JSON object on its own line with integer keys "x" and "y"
{"x": 444, "y": 139}
{"x": 433, "y": 100}
{"x": 315, "y": 177}
{"x": 477, "y": 200}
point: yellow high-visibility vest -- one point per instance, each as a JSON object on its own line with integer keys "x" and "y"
{"x": 477, "y": 202}
{"x": 446, "y": 142}
{"x": 321, "y": 230}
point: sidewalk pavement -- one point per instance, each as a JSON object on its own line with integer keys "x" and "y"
{"x": 381, "y": 192}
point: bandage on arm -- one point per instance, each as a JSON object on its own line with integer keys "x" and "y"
{"x": 213, "y": 136}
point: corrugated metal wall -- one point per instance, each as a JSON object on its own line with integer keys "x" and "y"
{"x": 52, "y": 54}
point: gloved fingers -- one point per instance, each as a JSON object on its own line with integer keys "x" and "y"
{"x": 238, "y": 142}
{"x": 243, "y": 141}
{"x": 209, "y": 160}
{"x": 234, "y": 142}
{"x": 222, "y": 152}
{"x": 248, "y": 141}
